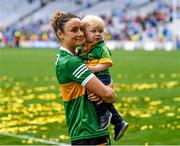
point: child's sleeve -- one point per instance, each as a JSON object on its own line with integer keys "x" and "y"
{"x": 105, "y": 55}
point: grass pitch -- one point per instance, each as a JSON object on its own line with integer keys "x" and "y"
{"x": 148, "y": 97}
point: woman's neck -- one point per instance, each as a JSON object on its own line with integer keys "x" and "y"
{"x": 71, "y": 49}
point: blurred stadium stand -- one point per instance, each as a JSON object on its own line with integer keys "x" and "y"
{"x": 130, "y": 24}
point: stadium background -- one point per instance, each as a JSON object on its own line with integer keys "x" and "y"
{"x": 144, "y": 37}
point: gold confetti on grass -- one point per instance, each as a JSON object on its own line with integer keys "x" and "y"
{"x": 144, "y": 127}
{"x": 63, "y": 137}
{"x": 170, "y": 114}
{"x": 176, "y": 98}
{"x": 144, "y": 86}
{"x": 152, "y": 76}
{"x": 23, "y": 114}
{"x": 145, "y": 115}
{"x": 172, "y": 84}
{"x": 174, "y": 75}
{"x": 147, "y": 98}
{"x": 157, "y": 102}
{"x": 161, "y": 75}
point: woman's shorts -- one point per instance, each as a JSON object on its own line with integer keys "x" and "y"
{"x": 92, "y": 141}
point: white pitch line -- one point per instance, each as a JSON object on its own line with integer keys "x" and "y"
{"x": 34, "y": 139}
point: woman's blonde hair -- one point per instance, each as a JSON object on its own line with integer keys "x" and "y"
{"x": 94, "y": 21}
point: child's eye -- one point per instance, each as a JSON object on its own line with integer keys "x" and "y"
{"x": 93, "y": 30}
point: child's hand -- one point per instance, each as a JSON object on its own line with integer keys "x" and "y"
{"x": 99, "y": 67}
{"x": 92, "y": 68}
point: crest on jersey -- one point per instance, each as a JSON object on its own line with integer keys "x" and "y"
{"x": 105, "y": 54}
{"x": 90, "y": 56}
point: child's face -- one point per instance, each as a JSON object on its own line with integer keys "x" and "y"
{"x": 93, "y": 34}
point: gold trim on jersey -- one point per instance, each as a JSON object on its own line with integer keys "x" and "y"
{"x": 97, "y": 61}
{"x": 71, "y": 91}
{"x": 105, "y": 60}
{"x": 93, "y": 62}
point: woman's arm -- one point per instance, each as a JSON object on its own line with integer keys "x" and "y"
{"x": 96, "y": 86}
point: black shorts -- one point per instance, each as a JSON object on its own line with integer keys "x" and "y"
{"x": 106, "y": 79}
{"x": 92, "y": 141}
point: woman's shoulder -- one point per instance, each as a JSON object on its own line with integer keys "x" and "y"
{"x": 73, "y": 60}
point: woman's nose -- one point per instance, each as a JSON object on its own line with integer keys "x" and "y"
{"x": 80, "y": 32}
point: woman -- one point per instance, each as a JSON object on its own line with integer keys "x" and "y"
{"x": 74, "y": 78}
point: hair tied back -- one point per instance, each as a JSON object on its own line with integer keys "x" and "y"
{"x": 57, "y": 15}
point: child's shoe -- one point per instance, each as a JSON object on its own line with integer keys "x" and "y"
{"x": 105, "y": 120}
{"x": 120, "y": 129}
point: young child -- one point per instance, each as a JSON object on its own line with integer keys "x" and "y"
{"x": 98, "y": 59}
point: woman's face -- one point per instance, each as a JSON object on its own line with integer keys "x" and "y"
{"x": 72, "y": 36}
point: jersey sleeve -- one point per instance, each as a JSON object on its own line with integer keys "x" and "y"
{"x": 104, "y": 55}
{"x": 78, "y": 71}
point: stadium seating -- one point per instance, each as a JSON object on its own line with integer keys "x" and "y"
{"x": 12, "y": 10}
{"x": 126, "y": 20}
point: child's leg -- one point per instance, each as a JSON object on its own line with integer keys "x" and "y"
{"x": 101, "y": 109}
{"x": 116, "y": 117}
{"x": 104, "y": 116}
{"x": 120, "y": 126}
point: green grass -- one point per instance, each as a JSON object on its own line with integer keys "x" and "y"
{"x": 147, "y": 86}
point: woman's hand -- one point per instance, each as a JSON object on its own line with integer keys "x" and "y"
{"x": 103, "y": 91}
{"x": 94, "y": 97}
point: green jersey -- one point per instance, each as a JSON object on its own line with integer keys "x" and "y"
{"x": 98, "y": 54}
{"x": 81, "y": 117}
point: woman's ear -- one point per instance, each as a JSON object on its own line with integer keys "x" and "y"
{"x": 60, "y": 34}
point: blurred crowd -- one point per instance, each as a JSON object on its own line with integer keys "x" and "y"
{"x": 152, "y": 26}
{"x": 119, "y": 26}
